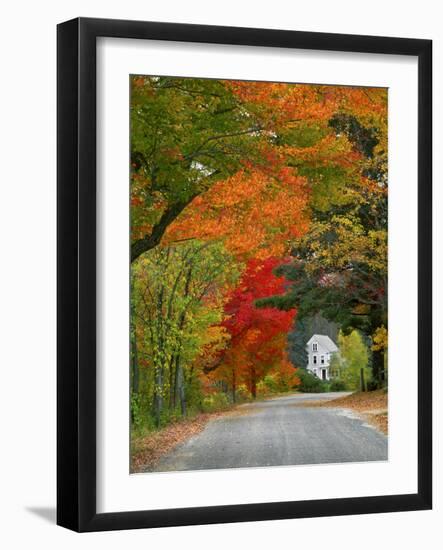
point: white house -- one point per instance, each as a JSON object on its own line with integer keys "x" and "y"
{"x": 320, "y": 349}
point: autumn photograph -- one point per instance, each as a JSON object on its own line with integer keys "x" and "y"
{"x": 259, "y": 274}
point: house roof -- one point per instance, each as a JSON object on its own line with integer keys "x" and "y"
{"x": 324, "y": 342}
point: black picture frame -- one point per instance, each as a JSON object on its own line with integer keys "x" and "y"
{"x": 76, "y": 266}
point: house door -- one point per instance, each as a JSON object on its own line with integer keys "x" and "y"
{"x": 323, "y": 374}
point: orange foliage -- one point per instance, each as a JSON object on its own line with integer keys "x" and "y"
{"x": 329, "y": 150}
{"x": 280, "y": 103}
{"x": 253, "y": 214}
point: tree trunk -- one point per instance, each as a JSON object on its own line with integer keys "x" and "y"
{"x": 176, "y": 380}
{"x": 158, "y": 365}
{"x": 135, "y": 375}
{"x": 158, "y": 395}
{"x": 171, "y": 384}
{"x": 253, "y": 383}
{"x": 378, "y": 318}
{"x": 135, "y": 379}
{"x": 153, "y": 239}
{"x": 179, "y": 394}
{"x": 181, "y": 391}
{"x": 234, "y": 386}
{"x": 378, "y": 367}
{"x": 179, "y": 378}
{"x": 362, "y": 380}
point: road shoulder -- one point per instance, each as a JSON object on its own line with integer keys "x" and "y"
{"x": 371, "y": 407}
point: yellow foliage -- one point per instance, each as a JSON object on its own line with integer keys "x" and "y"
{"x": 380, "y": 339}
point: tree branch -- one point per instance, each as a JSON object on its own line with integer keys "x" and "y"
{"x": 150, "y": 241}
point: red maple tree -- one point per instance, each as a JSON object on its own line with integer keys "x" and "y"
{"x": 258, "y": 335}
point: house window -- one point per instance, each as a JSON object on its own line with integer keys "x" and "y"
{"x": 322, "y": 359}
{"x": 315, "y": 372}
{"x": 314, "y": 359}
{"x": 315, "y": 346}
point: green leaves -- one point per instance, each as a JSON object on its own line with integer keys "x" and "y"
{"x": 177, "y": 298}
{"x": 184, "y": 132}
{"x": 329, "y": 185}
{"x": 302, "y": 134}
{"x": 353, "y": 357}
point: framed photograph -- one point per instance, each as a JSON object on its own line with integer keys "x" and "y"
{"x": 244, "y": 274}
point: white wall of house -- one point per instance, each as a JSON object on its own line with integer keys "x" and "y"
{"x": 320, "y": 349}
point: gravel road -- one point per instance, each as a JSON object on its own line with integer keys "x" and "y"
{"x": 277, "y": 432}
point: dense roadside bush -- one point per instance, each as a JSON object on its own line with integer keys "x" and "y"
{"x": 372, "y": 385}
{"x": 309, "y": 383}
{"x": 242, "y": 394}
{"x": 337, "y": 385}
{"x": 215, "y": 402}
